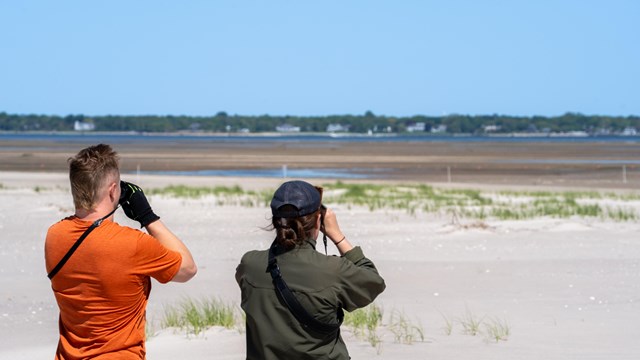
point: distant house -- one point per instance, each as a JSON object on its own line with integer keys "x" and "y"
{"x": 602, "y": 131}
{"x": 83, "y": 126}
{"x": 629, "y": 131}
{"x": 287, "y": 128}
{"x": 416, "y": 127}
{"x": 439, "y": 129}
{"x": 337, "y": 128}
{"x": 491, "y": 128}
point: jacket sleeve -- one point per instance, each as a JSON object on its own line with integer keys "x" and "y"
{"x": 359, "y": 281}
{"x": 240, "y": 271}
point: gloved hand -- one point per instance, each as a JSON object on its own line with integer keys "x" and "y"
{"x": 135, "y": 204}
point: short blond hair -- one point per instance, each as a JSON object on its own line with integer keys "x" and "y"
{"x": 88, "y": 171}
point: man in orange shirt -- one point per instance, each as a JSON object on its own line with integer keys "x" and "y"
{"x": 100, "y": 271}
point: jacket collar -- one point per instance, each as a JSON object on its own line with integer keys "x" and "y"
{"x": 307, "y": 244}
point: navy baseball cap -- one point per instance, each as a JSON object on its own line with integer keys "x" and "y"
{"x": 304, "y": 197}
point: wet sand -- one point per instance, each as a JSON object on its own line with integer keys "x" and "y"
{"x": 593, "y": 164}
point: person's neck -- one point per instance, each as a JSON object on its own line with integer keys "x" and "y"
{"x": 92, "y": 214}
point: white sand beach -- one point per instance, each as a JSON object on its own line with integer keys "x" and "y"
{"x": 564, "y": 288}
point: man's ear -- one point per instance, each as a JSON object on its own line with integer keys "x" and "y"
{"x": 113, "y": 191}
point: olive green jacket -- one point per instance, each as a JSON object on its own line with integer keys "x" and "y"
{"x": 322, "y": 284}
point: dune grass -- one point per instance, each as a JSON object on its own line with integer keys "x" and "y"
{"x": 224, "y": 195}
{"x": 367, "y": 318}
{"x": 199, "y": 191}
{"x": 195, "y": 316}
{"x": 415, "y": 199}
{"x": 492, "y": 328}
{"x": 367, "y": 324}
{"x": 497, "y": 329}
{"x": 448, "y": 324}
{"x": 404, "y": 330}
{"x": 470, "y": 323}
{"x": 411, "y": 198}
{"x": 475, "y": 204}
{"x": 364, "y": 323}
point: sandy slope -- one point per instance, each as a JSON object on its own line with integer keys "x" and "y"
{"x": 569, "y": 289}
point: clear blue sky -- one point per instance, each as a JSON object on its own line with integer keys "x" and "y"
{"x": 395, "y": 57}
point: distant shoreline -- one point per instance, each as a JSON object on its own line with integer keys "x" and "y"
{"x": 203, "y": 134}
{"x": 338, "y": 135}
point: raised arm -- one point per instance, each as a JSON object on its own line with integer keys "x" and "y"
{"x": 333, "y": 232}
{"x": 161, "y": 232}
{"x": 136, "y": 207}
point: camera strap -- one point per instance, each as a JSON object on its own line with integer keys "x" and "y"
{"x": 287, "y": 296}
{"x": 323, "y": 210}
{"x": 75, "y": 245}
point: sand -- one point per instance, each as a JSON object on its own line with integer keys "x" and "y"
{"x": 568, "y": 288}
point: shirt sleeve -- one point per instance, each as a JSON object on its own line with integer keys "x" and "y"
{"x": 155, "y": 260}
{"x": 359, "y": 282}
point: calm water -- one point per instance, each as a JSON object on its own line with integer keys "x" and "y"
{"x": 571, "y": 161}
{"x": 249, "y": 139}
{"x": 279, "y": 173}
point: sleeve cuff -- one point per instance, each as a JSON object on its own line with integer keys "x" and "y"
{"x": 354, "y": 255}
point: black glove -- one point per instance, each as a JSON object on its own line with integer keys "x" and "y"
{"x": 135, "y": 204}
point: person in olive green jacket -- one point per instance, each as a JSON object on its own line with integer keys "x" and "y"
{"x": 322, "y": 285}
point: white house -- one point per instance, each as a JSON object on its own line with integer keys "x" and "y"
{"x": 439, "y": 129}
{"x": 491, "y": 128}
{"x": 83, "y": 126}
{"x": 417, "y": 127}
{"x": 337, "y": 128}
{"x": 287, "y": 128}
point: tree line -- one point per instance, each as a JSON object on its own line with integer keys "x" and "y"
{"x": 366, "y": 123}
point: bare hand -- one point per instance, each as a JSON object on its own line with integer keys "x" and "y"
{"x": 331, "y": 227}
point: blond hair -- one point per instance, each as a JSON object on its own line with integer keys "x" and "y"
{"x": 88, "y": 172}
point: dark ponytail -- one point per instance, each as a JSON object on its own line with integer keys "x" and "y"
{"x": 291, "y": 232}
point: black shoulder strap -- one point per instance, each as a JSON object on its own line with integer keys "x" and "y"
{"x": 75, "y": 245}
{"x": 292, "y": 302}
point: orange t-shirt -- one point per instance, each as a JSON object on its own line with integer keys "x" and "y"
{"x": 102, "y": 290}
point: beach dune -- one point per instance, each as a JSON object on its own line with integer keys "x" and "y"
{"x": 564, "y": 288}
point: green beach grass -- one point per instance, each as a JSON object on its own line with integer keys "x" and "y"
{"x": 497, "y": 329}
{"x": 364, "y": 324}
{"x": 404, "y": 330}
{"x": 224, "y": 195}
{"x": 195, "y": 316}
{"x": 424, "y": 199}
